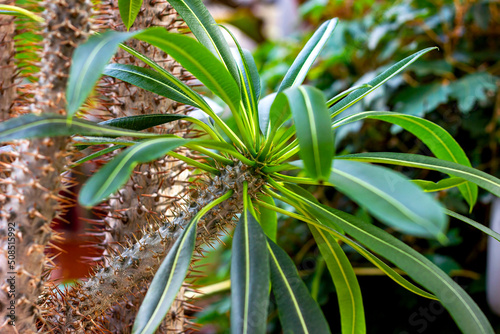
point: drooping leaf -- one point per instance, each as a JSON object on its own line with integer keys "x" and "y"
{"x": 298, "y": 311}
{"x": 87, "y": 63}
{"x": 142, "y": 122}
{"x": 447, "y": 183}
{"x": 298, "y": 71}
{"x": 437, "y": 139}
{"x": 166, "y": 283}
{"x": 249, "y": 277}
{"x": 314, "y": 133}
{"x": 376, "y": 82}
{"x": 151, "y": 81}
{"x": 475, "y": 224}
{"x": 54, "y": 125}
{"x": 306, "y": 200}
{"x": 352, "y": 313}
{"x": 115, "y": 173}
{"x": 198, "y": 60}
{"x": 206, "y": 30}
{"x": 484, "y": 180}
{"x": 461, "y": 306}
{"x": 128, "y": 11}
{"x": 390, "y": 197}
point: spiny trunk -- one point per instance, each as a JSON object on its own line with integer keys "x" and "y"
{"x": 153, "y": 188}
{"x": 7, "y": 65}
{"x": 139, "y": 262}
{"x": 34, "y": 181}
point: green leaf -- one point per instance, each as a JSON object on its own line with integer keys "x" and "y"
{"x": 249, "y": 277}
{"x": 129, "y": 10}
{"x": 115, "y": 173}
{"x": 173, "y": 81}
{"x": 298, "y": 311}
{"x": 88, "y": 61}
{"x": 314, "y": 133}
{"x": 206, "y": 30}
{"x": 301, "y": 195}
{"x": 352, "y": 313}
{"x": 429, "y": 186}
{"x": 298, "y": 71}
{"x": 96, "y": 154}
{"x": 462, "y": 307}
{"x": 54, "y": 125}
{"x": 376, "y": 82}
{"x": 485, "y": 181}
{"x": 343, "y": 94}
{"x": 198, "y": 60}
{"x": 142, "y": 122}
{"x": 390, "y": 197}
{"x": 437, "y": 139}
{"x": 167, "y": 282}
{"x": 268, "y": 219}
{"x": 149, "y": 80}
{"x": 18, "y": 11}
{"x": 475, "y": 224}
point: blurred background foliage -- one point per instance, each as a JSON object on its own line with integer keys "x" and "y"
{"x": 457, "y": 87}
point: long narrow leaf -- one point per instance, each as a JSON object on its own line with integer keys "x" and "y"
{"x": 461, "y": 306}
{"x": 115, "y": 173}
{"x": 298, "y": 71}
{"x": 484, "y": 180}
{"x": 390, "y": 197}
{"x": 249, "y": 277}
{"x": 166, "y": 283}
{"x": 298, "y": 311}
{"x": 142, "y": 122}
{"x": 475, "y": 224}
{"x": 313, "y": 129}
{"x": 87, "y": 63}
{"x": 352, "y": 313}
{"x": 437, "y": 139}
{"x": 129, "y": 10}
{"x": 149, "y": 80}
{"x": 198, "y": 60}
{"x": 376, "y": 82}
{"x": 18, "y": 11}
{"x": 206, "y": 30}
{"x": 53, "y": 125}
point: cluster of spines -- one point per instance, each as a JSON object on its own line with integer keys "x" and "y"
{"x": 86, "y": 302}
{"x": 32, "y": 180}
{"x": 154, "y": 188}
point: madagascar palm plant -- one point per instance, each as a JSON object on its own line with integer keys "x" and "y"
{"x": 271, "y": 147}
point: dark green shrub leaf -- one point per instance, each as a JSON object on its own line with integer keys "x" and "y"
{"x": 352, "y": 314}
{"x": 437, "y": 139}
{"x": 249, "y": 277}
{"x": 54, "y": 125}
{"x": 166, "y": 283}
{"x": 298, "y": 311}
{"x": 115, "y": 173}
{"x": 298, "y": 71}
{"x": 485, "y": 181}
{"x": 390, "y": 197}
{"x": 314, "y": 133}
